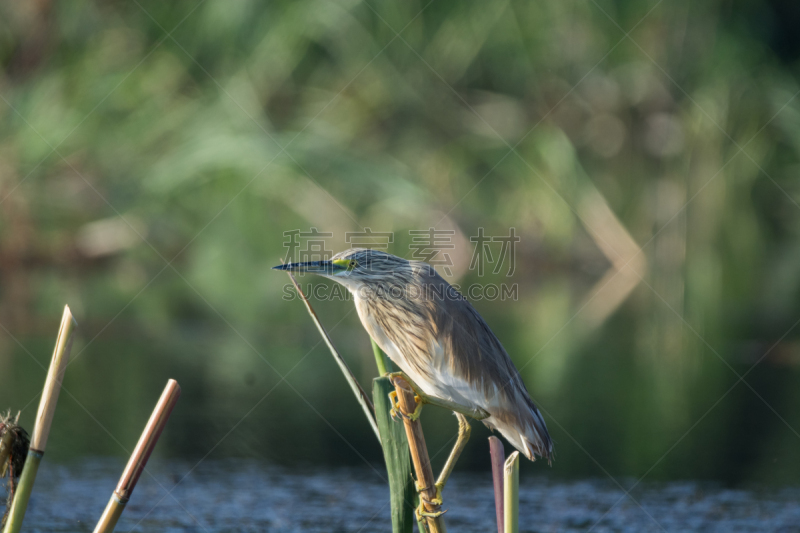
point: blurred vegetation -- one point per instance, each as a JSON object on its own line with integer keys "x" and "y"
{"x": 152, "y": 156}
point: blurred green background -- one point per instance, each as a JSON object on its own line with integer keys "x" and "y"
{"x": 153, "y": 154}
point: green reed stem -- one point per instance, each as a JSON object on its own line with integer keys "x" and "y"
{"x": 382, "y": 361}
{"x": 511, "y": 493}
{"x": 108, "y": 521}
{"x": 358, "y": 392}
{"x": 23, "y": 494}
{"x": 397, "y": 457}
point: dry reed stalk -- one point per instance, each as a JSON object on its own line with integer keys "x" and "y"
{"x": 419, "y": 455}
{"x": 44, "y": 418}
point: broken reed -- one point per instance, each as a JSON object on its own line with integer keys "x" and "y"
{"x": 6, "y": 443}
{"x": 511, "y": 493}
{"x": 14, "y": 444}
{"x": 137, "y": 462}
{"x": 44, "y": 418}
{"x": 498, "y": 456}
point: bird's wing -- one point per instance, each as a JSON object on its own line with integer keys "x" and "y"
{"x": 471, "y": 351}
{"x": 474, "y": 356}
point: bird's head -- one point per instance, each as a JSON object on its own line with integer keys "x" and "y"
{"x": 355, "y": 268}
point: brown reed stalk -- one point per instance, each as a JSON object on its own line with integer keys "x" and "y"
{"x": 135, "y": 467}
{"x": 419, "y": 455}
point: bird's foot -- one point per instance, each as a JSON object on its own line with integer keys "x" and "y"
{"x": 418, "y": 402}
{"x": 396, "y": 411}
{"x": 421, "y": 512}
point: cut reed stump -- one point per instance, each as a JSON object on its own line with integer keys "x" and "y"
{"x": 511, "y": 493}
{"x": 498, "y": 455}
{"x": 44, "y": 418}
{"x": 419, "y": 456}
{"x": 137, "y": 462}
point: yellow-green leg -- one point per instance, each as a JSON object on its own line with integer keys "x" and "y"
{"x": 464, "y": 431}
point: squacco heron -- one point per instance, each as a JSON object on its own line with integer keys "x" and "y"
{"x": 444, "y": 348}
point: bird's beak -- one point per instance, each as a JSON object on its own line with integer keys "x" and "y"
{"x": 314, "y": 267}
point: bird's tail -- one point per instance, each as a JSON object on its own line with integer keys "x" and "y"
{"x": 524, "y": 429}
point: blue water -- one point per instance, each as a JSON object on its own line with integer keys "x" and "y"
{"x": 246, "y": 496}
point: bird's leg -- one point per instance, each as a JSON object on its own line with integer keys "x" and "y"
{"x": 464, "y": 431}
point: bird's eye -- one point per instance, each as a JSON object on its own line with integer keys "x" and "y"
{"x": 353, "y": 263}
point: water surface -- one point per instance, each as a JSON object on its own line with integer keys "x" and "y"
{"x": 249, "y": 496}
